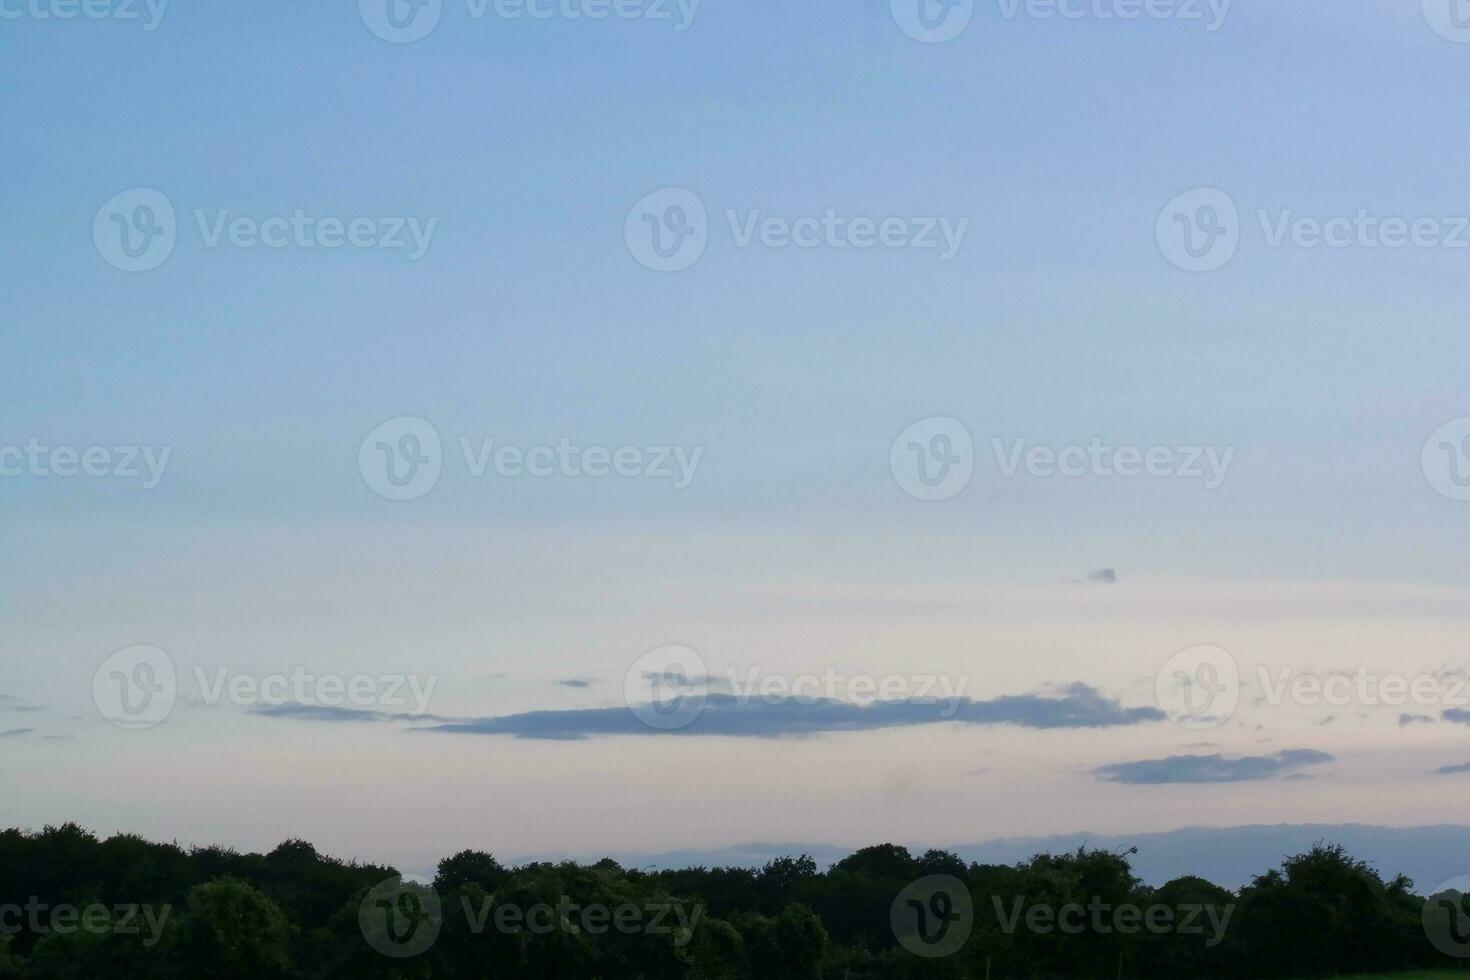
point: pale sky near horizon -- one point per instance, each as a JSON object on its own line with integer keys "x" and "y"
{"x": 1333, "y": 542}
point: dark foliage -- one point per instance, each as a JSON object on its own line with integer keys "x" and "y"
{"x": 72, "y": 905}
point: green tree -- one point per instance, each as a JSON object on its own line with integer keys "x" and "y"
{"x": 230, "y": 930}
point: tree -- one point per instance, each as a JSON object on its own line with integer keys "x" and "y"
{"x": 469, "y": 868}
{"x": 231, "y": 930}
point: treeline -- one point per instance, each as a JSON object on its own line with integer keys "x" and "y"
{"x": 74, "y": 906}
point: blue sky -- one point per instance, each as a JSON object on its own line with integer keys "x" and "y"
{"x": 528, "y": 320}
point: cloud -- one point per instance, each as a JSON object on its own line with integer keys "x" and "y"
{"x": 1211, "y": 768}
{"x": 1406, "y": 719}
{"x": 1457, "y": 715}
{"x": 577, "y": 682}
{"x": 331, "y": 713}
{"x": 1105, "y": 575}
{"x": 9, "y": 703}
{"x": 1447, "y": 770}
{"x": 1075, "y": 706}
{"x": 15, "y": 732}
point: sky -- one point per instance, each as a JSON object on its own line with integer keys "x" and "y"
{"x": 832, "y": 330}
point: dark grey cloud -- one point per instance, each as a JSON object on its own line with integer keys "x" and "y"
{"x": 577, "y": 682}
{"x": 677, "y": 680}
{"x": 1447, "y": 770}
{"x": 1406, "y": 719}
{"x": 1212, "y": 768}
{"x": 1105, "y": 575}
{"x": 1457, "y": 715}
{"x": 16, "y": 732}
{"x": 331, "y": 713}
{"x": 11, "y": 703}
{"x": 1076, "y": 706}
